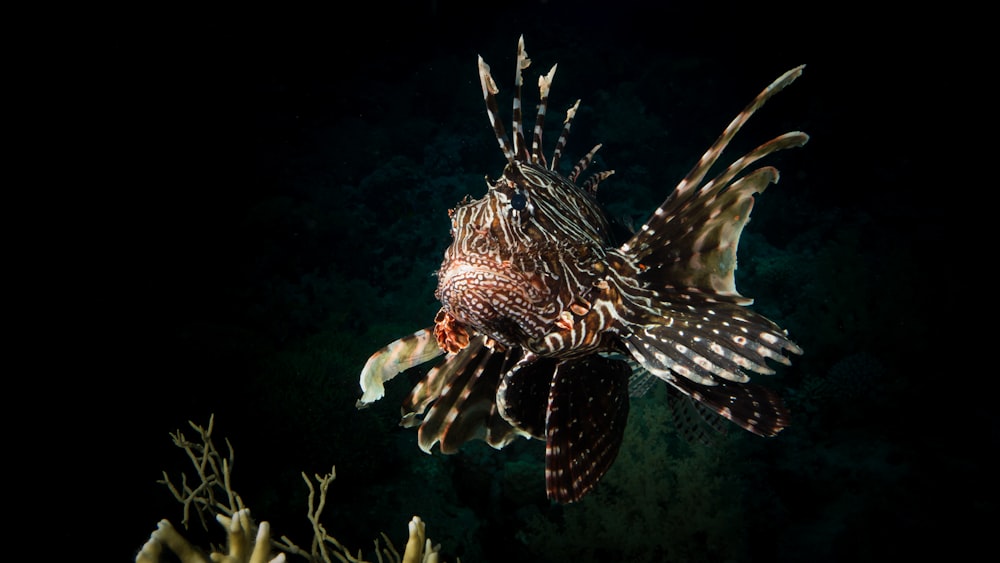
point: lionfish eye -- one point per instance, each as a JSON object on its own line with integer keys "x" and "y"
{"x": 518, "y": 201}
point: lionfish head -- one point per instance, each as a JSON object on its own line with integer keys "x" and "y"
{"x": 495, "y": 275}
{"x": 498, "y": 275}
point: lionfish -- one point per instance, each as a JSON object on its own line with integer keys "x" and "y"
{"x": 544, "y": 319}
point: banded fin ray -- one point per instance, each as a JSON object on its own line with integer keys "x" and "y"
{"x": 690, "y": 241}
{"x": 590, "y": 184}
{"x": 754, "y": 408}
{"x": 712, "y": 343}
{"x": 460, "y": 392}
{"x": 563, "y": 136}
{"x": 492, "y": 111}
{"x": 523, "y": 62}
{"x": 544, "y": 85}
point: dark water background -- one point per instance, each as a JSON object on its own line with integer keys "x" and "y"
{"x": 272, "y": 203}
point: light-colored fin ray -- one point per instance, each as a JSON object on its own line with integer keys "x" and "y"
{"x": 564, "y": 135}
{"x": 544, "y": 85}
{"x": 689, "y": 186}
{"x": 592, "y": 181}
{"x": 789, "y": 140}
{"x": 523, "y": 62}
{"x": 490, "y": 91}
{"x": 399, "y": 355}
{"x": 583, "y": 163}
{"x": 696, "y": 175}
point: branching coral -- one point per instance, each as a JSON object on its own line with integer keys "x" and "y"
{"x": 245, "y": 544}
{"x": 211, "y": 492}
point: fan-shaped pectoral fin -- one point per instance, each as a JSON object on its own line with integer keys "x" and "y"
{"x": 585, "y": 422}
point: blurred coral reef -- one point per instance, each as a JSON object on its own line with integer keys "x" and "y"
{"x": 210, "y": 492}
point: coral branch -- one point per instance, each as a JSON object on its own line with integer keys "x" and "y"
{"x": 249, "y": 542}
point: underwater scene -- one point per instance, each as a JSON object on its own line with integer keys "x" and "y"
{"x": 608, "y": 375}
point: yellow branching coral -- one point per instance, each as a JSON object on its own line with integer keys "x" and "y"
{"x": 248, "y": 543}
{"x": 210, "y": 492}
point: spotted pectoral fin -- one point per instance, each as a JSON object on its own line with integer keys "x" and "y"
{"x": 707, "y": 353}
{"x": 584, "y": 425}
{"x": 399, "y": 355}
{"x": 709, "y": 341}
{"x": 455, "y": 402}
{"x": 523, "y": 395}
{"x": 753, "y": 407}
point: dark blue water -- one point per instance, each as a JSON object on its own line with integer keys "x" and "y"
{"x": 283, "y": 206}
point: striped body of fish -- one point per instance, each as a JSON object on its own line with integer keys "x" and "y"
{"x": 544, "y": 319}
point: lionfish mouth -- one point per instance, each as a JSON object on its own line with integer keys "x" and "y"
{"x": 464, "y": 290}
{"x": 485, "y": 290}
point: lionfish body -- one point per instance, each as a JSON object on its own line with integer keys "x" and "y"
{"x": 544, "y": 319}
